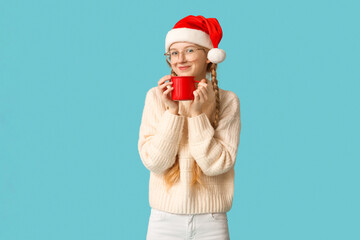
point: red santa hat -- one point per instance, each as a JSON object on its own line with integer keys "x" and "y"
{"x": 203, "y": 31}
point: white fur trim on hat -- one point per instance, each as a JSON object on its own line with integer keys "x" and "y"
{"x": 216, "y": 55}
{"x": 187, "y": 35}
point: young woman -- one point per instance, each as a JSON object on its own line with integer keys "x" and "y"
{"x": 190, "y": 147}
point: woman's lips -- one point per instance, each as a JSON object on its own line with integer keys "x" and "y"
{"x": 183, "y": 68}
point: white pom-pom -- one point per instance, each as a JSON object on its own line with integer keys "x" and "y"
{"x": 216, "y": 55}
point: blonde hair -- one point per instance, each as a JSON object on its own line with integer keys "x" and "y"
{"x": 172, "y": 175}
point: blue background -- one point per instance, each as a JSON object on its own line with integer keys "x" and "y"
{"x": 73, "y": 79}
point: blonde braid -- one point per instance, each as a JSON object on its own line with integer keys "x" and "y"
{"x": 214, "y": 82}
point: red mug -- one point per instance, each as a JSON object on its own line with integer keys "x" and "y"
{"x": 184, "y": 87}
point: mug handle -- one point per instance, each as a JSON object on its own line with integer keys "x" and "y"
{"x": 197, "y": 81}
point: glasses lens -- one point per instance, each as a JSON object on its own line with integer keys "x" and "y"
{"x": 174, "y": 55}
{"x": 190, "y": 53}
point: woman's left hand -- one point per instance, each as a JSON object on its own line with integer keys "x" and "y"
{"x": 200, "y": 96}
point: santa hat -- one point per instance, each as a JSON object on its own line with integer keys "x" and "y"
{"x": 203, "y": 31}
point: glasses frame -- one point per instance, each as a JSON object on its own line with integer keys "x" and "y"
{"x": 167, "y": 54}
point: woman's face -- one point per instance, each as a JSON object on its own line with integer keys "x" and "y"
{"x": 187, "y": 61}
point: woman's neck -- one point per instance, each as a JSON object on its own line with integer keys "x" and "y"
{"x": 200, "y": 77}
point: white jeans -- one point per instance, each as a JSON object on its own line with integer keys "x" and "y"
{"x": 169, "y": 226}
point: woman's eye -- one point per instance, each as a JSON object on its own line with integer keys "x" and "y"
{"x": 189, "y": 50}
{"x": 173, "y": 53}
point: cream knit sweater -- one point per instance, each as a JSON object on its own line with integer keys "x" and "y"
{"x": 163, "y": 135}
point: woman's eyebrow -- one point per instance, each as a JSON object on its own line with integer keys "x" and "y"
{"x": 184, "y": 47}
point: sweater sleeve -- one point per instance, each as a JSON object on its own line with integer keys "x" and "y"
{"x": 215, "y": 150}
{"x": 159, "y": 135}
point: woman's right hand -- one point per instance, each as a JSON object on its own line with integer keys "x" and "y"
{"x": 164, "y": 91}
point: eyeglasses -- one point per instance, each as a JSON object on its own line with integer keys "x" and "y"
{"x": 189, "y": 52}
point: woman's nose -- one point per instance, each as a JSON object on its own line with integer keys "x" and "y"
{"x": 182, "y": 57}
